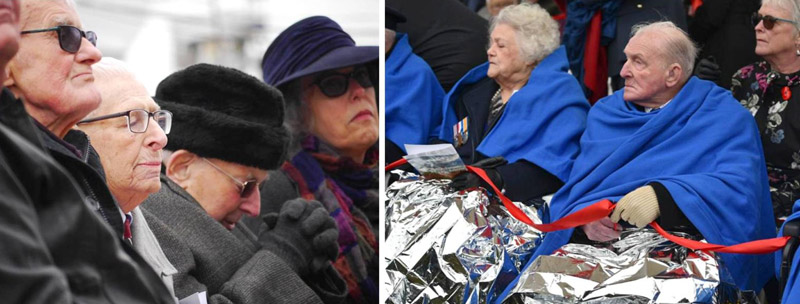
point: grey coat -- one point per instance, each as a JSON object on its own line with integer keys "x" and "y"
{"x": 229, "y": 265}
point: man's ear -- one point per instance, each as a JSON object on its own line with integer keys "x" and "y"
{"x": 178, "y": 167}
{"x": 674, "y": 75}
{"x": 9, "y": 81}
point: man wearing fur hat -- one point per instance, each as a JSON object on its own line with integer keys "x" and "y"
{"x": 227, "y": 131}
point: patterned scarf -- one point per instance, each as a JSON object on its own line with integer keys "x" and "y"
{"x": 345, "y": 188}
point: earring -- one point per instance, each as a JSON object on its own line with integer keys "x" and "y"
{"x": 797, "y": 52}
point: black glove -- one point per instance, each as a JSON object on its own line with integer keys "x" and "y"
{"x": 469, "y": 180}
{"x": 304, "y": 235}
{"x": 707, "y": 69}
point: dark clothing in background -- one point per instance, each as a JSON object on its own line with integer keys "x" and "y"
{"x": 55, "y": 248}
{"x": 446, "y": 34}
{"x": 633, "y": 12}
{"x": 722, "y": 29}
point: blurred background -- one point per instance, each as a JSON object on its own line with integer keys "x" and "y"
{"x": 159, "y": 37}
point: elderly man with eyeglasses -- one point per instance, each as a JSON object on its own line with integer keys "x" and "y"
{"x": 57, "y": 245}
{"x": 227, "y": 132}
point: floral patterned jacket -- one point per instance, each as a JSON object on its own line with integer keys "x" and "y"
{"x": 773, "y": 99}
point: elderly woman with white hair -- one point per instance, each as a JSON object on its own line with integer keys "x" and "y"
{"x": 522, "y": 106}
{"x": 770, "y": 89}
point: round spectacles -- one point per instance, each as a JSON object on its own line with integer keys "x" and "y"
{"x": 334, "y": 84}
{"x": 246, "y": 188}
{"x": 69, "y": 37}
{"x": 139, "y": 120}
{"x": 769, "y": 21}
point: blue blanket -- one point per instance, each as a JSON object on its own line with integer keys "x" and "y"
{"x": 413, "y": 97}
{"x": 702, "y": 146}
{"x": 791, "y": 293}
{"x": 542, "y": 122}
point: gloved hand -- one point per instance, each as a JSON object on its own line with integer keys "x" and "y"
{"x": 639, "y": 207}
{"x": 707, "y": 69}
{"x": 468, "y": 180}
{"x": 304, "y": 235}
{"x": 601, "y": 230}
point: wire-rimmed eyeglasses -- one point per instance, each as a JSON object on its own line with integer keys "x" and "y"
{"x": 139, "y": 120}
{"x": 246, "y": 188}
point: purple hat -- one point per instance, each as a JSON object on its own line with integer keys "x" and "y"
{"x": 312, "y": 45}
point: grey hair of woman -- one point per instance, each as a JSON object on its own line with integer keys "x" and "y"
{"x": 792, "y": 6}
{"x": 295, "y": 117}
{"x": 536, "y": 32}
{"x": 677, "y": 47}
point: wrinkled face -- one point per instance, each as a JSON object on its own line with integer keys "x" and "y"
{"x": 219, "y": 195}
{"x": 48, "y": 78}
{"x": 348, "y": 122}
{"x": 132, "y": 161}
{"x": 9, "y": 31}
{"x": 496, "y": 5}
{"x": 781, "y": 39}
{"x": 644, "y": 72}
{"x": 505, "y": 60}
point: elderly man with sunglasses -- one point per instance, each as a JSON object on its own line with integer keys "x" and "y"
{"x": 56, "y": 247}
{"x": 228, "y": 130}
{"x": 770, "y": 89}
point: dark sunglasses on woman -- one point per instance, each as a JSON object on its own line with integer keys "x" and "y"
{"x": 69, "y": 37}
{"x": 334, "y": 84}
{"x": 769, "y": 21}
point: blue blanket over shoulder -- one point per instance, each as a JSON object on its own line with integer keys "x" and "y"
{"x": 791, "y": 293}
{"x": 541, "y": 123}
{"x": 413, "y": 97}
{"x": 703, "y": 147}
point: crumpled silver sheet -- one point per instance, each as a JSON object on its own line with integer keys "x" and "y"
{"x": 447, "y": 247}
{"x": 642, "y": 267}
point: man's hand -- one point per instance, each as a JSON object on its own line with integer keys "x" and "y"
{"x": 601, "y": 230}
{"x": 468, "y": 180}
{"x": 303, "y": 235}
{"x": 639, "y": 207}
{"x": 707, "y": 69}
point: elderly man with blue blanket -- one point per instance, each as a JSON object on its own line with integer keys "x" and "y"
{"x": 672, "y": 149}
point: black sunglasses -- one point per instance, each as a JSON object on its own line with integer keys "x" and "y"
{"x": 769, "y": 21}
{"x": 69, "y": 37}
{"x": 139, "y": 120}
{"x": 246, "y": 188}
{"x": 335, "y": 84}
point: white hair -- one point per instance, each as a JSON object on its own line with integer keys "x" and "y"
{"x": 109, "y": 67}
{"x": 675, "y": 44}
{"x": 537, "y": 33}
{"x": 792, "y": 6}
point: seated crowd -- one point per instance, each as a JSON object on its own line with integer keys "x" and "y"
{"x": 668, "y": 147}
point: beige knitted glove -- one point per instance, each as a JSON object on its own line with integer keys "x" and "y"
{"x": 639, "y": 207}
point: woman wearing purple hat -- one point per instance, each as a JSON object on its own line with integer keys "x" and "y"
{"x": 332, "y": 114}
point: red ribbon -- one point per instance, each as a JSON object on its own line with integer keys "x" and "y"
{"x": 604, "y": 207}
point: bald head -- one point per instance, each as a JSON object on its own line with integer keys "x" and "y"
{"x": 672, "y": 42}
{"x": 117, "y": 85}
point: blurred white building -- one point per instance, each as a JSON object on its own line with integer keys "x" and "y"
{"x": 159, "y": 37}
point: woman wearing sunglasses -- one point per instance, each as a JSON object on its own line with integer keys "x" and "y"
{"x": 522, "y": 105}
{"x": 770, "y": 90}
{"x": 332, "y": 115}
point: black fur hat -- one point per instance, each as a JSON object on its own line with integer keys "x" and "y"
{"x": 223, "y": 113}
